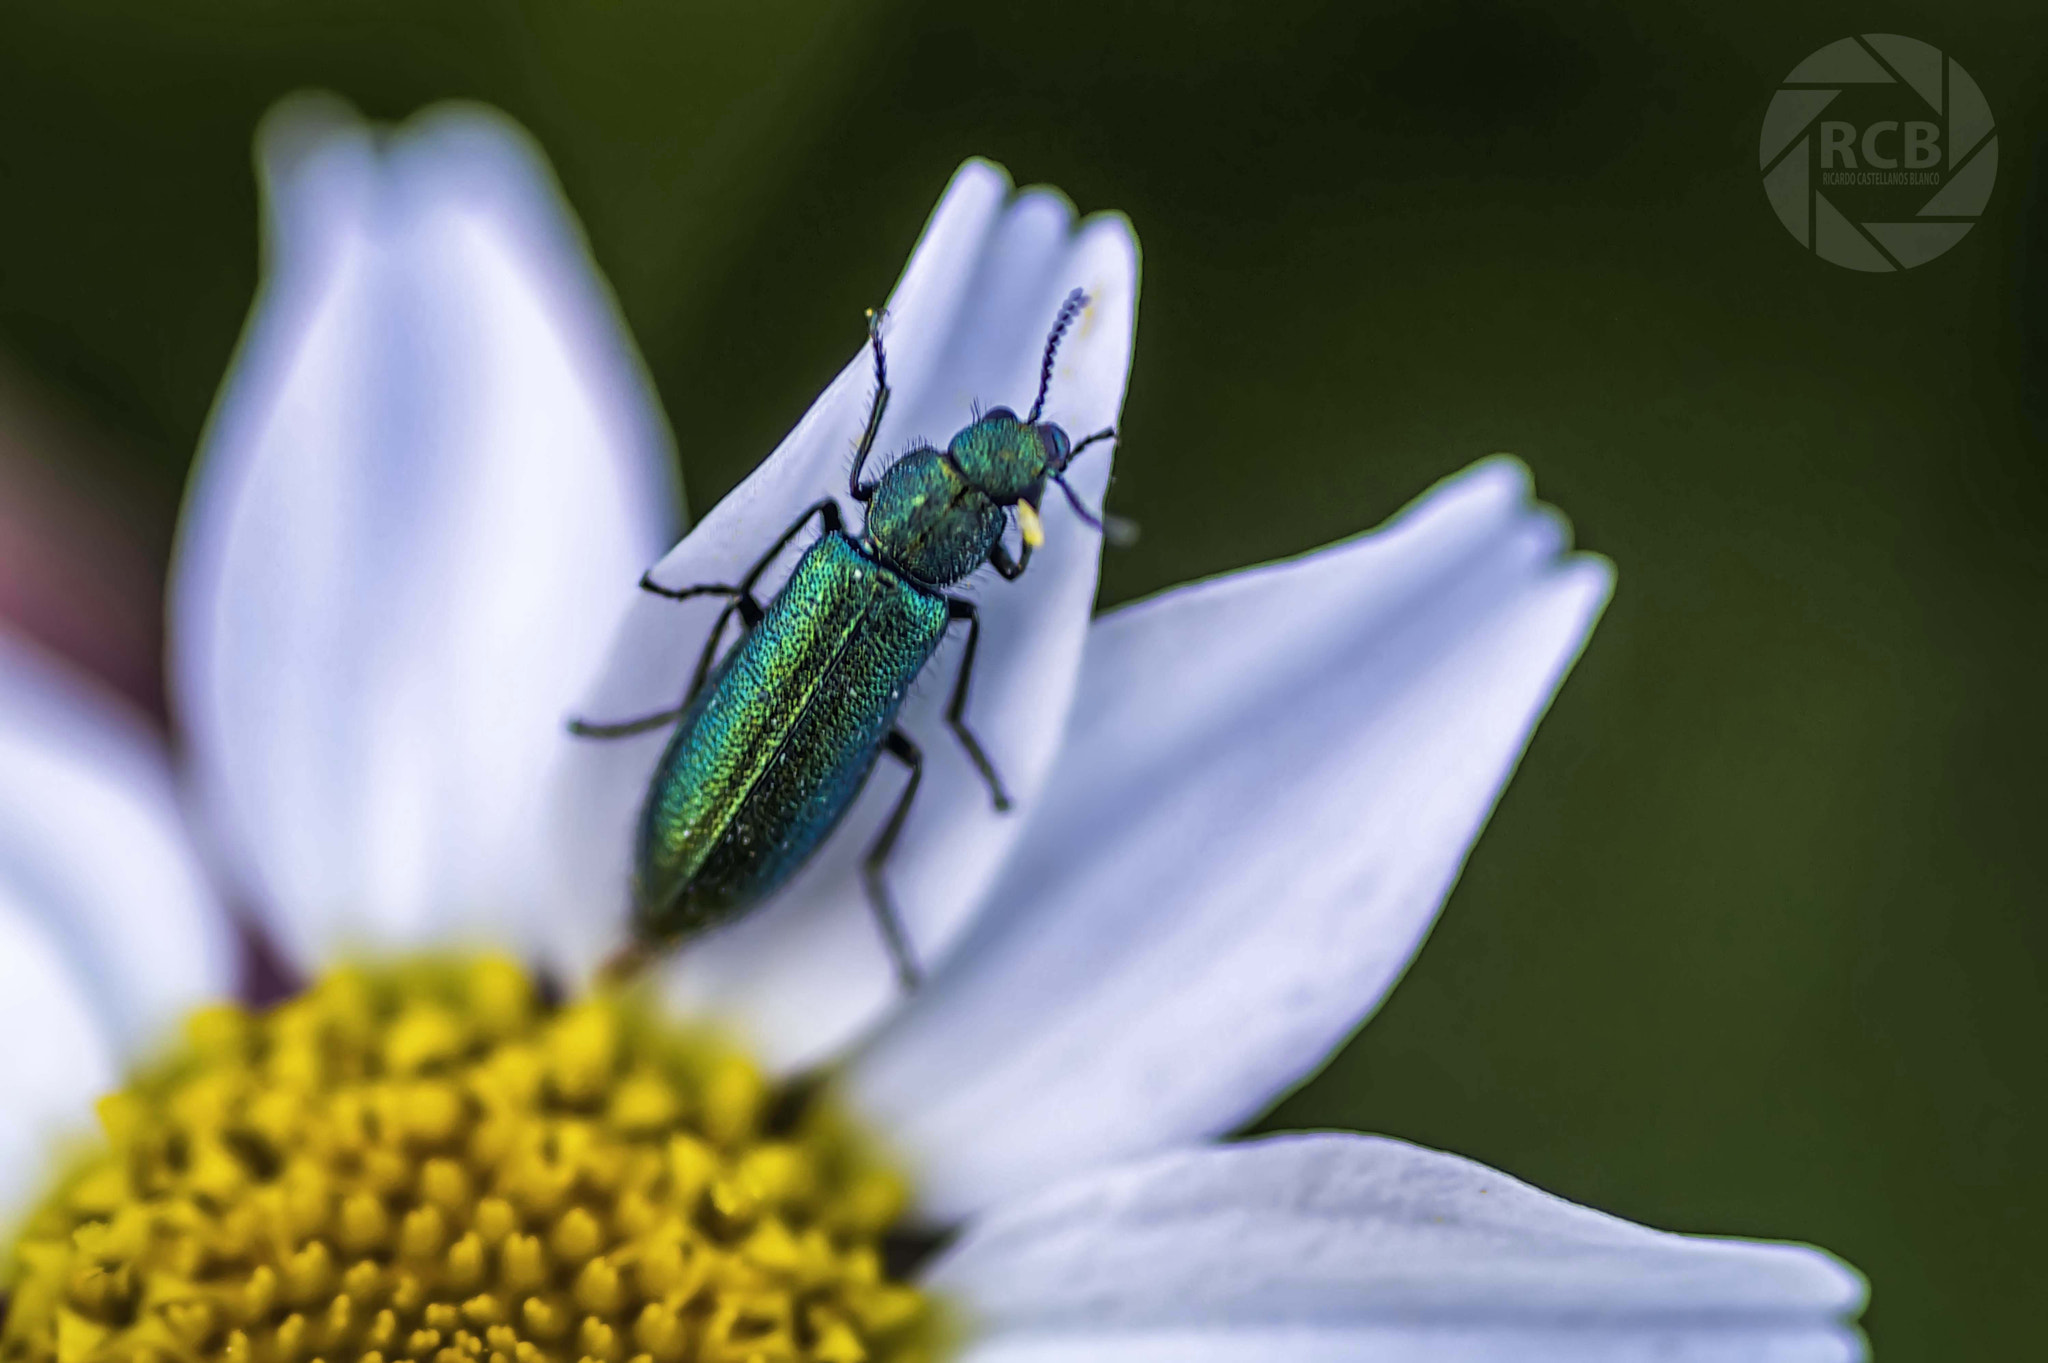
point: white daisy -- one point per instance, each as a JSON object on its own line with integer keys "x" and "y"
{"x": 1239, "y": 806}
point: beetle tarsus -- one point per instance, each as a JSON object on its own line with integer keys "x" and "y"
{"x": 625, "y": 728}
{"x": 894, "y": 935}
{"x": 959, "y": 608}
{"x": 648, "y": 584}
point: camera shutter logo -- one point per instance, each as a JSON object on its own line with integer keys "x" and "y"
{"x": 1914, "y": 162}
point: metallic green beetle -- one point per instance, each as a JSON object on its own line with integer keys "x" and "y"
{"x": 775, "y": 739}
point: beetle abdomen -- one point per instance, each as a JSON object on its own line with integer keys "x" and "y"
{"x": 769, "y": 760}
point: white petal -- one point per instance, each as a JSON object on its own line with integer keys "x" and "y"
{"x": 967, "y": 323}
{"x": 94, "y": 850}
{"x": 1364, "y": 1247}
{"x": 1434, "y": 1343}
{"x": 57, "y": 1056}
{"x": 433, "y": 465}
{"x": 1269, "y": 784}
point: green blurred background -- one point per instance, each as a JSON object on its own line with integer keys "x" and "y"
{"x": 1755, "y": 942}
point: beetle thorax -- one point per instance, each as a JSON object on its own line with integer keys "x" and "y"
{"x": 927, "y": 519}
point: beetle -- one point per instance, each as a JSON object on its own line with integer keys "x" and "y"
{"x": 774, "y": 739}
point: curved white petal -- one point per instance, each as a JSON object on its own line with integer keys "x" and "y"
{"x": 1432, "y": 1343}
{"x": 1269, "y": 784}
{"x": 94, "y": 850}
{"x": 1363, "y": 1247}
{"x": 967, "y": 323}
{"x": 434, "y": 464}
{"x": 56, "y": 1059}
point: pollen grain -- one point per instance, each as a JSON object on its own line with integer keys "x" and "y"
{"x": 426, "y": 1162}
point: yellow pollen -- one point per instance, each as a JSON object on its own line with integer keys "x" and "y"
{"x": 1030, "y": 525}
{"x": 426, "y": 1163}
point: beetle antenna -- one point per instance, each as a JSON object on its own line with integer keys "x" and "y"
{"x": 1088, "y": 518}
{"x": 1120, "y": 531}
{"x": 1069, "y": 310}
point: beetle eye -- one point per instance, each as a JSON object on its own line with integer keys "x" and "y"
{"x": 1058, "y": 449}
{"x": 999, "y": 414}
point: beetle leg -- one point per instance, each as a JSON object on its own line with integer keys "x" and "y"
{"x": 648, "y": 584}
{"x": 894, "y": 936}
{"x": 959, "y": 608}
{"x": 749, "y": 611}
{"x": 744, "y": 603}
{"x": 1011, "y": 568}
{"x": 859, "y": 491}
{"x": 825, "y": 508}
{"x": 625, "y": 728}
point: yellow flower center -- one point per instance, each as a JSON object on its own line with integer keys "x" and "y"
{"x": 426, "y": 1162}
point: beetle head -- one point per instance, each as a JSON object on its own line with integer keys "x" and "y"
{"x": 1009, "y": 459}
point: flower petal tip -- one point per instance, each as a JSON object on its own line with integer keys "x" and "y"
{"x": 1503, "y": 481}
{"x": 433, "y": 473}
